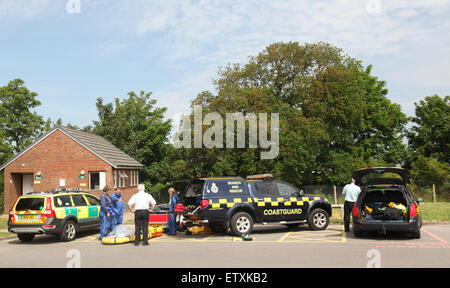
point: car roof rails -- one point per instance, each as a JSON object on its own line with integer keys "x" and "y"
{"x": 36, "y": 193}
{"x": 66, "y": 190}
{"x": 260, "y": 177}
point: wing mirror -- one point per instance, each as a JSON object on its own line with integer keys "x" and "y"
{"x": 420, "y": 200}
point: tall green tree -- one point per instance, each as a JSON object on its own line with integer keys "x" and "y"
{"x": 430, "y": 133}
{"x": 334, "y": 115}
{"x": 19, "y": 124}
{"x": 136, "y": 126}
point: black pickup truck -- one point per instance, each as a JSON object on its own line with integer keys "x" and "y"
{"x": 237, "y": 203}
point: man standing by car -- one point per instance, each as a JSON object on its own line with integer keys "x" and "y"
{"x": 141, "y": 202}
{"x": 351, "y": 192}
{"x": 106, "y": 213}
{"x": 118, "y": 207}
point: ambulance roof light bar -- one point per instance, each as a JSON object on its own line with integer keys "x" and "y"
{"x": 59, "y": 190}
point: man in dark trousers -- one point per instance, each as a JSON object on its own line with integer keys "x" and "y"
{"x": 141, "y": 202}
{"x": 351, "y": 192}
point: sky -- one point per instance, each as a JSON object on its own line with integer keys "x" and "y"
{"x": 71, "y": 52}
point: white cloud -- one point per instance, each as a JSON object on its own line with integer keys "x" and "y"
{"x": 212, "y": 33}
{"x": 26, "y": 9}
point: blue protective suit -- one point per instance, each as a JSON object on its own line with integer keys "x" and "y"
{"x": 172, "y": 215}
{"x": 118, "y": 207}
{"x": 105, "y": 222}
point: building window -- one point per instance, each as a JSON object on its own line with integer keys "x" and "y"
{"x": 115, "y": 178}
{"x": 123, "y": 176}
{"x": 97, "y": 180}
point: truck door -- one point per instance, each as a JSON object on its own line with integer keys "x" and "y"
{"x": 267, "y": 201}
{"x": 294, "y": 206}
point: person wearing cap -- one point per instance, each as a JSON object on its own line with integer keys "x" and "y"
{"x": 139, "y": 204}
{"x": 351, "y": 192}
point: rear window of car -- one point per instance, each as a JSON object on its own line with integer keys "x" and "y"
{"x": 78, "y": 200}
{"x": 62, "y": 201}
{"x": 30, "y": 204}
{"x": 220, "y": 187}
{"x": 265, "y": 188}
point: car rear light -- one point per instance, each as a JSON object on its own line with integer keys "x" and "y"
{"x": 204, "y": 204}
{"x": 50, "y": 227}
{"x": 49, "y": 212}
{"x": 413, "y": 211}
{"x": 11, "y": 211}
{"x": 355, "y": 211}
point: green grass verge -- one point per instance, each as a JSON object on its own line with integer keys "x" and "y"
{"x": 4, "y": 235}
{"x": 439, "y": 212}
{"x": 3, "y": 223}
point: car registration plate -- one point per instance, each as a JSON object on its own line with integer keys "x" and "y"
{"x": 28, "y": 217}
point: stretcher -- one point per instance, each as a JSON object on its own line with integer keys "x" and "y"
{"x": 153, "y": 232}
{"x": 200, "y": 229}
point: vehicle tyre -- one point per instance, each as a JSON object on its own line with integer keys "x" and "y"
{"x": 217, "y": 227}
{"x": 358, "y": 234}
{"x": 69, "y": 231}
{"x": 241, "y": 223}
{"x": 25, "y": 237}
{"x": 415, "y": 235}
{"x": 318, "y": 219}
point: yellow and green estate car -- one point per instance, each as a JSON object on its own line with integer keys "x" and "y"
{"x": 62, "y": 213}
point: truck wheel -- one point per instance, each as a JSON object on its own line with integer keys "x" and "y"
{"x": 415, "y": 235}
{"x": 25, "y": 237}
{"x": 217, "y": 227}
{"x": 241, "y": 223}
{"x": 68, "y": 232}
{"x": 318, "y": 219}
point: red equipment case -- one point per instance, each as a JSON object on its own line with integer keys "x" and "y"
{"x": 158, "y": 217}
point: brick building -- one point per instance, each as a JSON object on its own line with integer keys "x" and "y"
{"x": 68, "y": 158}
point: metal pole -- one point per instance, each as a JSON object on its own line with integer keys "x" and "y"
{"x": 434, "y": 193}
{"x": 335, "y": 195}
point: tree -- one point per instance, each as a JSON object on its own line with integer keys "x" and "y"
{"x": 19, "y": 125}
{"x": 334, "y": 115}
{"x": 136, "y": 126}
{"x": 431, "y": 133}
{"x": 427, "y": 171}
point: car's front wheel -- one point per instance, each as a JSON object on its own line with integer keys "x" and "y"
{"x": 69, "y": 231}
{"x": 318, "y": 219}
{"x": 25, "y": 237}
{"x": 241, "y": 223}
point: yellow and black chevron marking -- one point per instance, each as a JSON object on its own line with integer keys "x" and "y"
{"x": 266, "y": 201}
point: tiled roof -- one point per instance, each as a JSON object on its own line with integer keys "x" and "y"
{"x": 94, "y": 143}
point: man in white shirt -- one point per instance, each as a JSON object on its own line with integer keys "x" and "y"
{"x": 351, "y": 192}
{"x": 141, "y": 202}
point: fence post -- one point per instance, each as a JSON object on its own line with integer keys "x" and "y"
{"x": 335, "y": 195}
{"x": 434, "y": 193}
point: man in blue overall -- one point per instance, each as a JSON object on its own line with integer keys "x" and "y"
{"x": 106, "y": 213}
{"x": 118, "y": 207}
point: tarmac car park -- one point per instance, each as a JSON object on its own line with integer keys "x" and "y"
{"x": 385, "y": 202}
{"x": 237, "y": 204}
{"x": 61, "y": 212}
